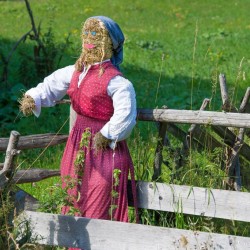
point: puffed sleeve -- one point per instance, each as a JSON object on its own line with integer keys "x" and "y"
{"x": 123, "y": 120}
{"x": 52, "y": 89}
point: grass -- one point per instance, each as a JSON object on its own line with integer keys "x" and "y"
{"x": 164, "y": 27}
{"x": 173, "y": 54}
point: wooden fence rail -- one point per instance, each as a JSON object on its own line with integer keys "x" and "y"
{"x": 94, "y": 234}
{"x": 195, "y": 117}
{"x": 161, "y": 115}
{"x": 35, "y": 141}
{"x": 214, "y": 203}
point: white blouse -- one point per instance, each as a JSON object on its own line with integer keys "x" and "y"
{"x": 120, "y": 125}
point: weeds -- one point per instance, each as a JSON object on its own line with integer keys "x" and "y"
{"x": 6, "y": 205}
{"x": 14, "y": 235}
{"x": 56, "y": 197}
{"x": 114, "y": 194}
{"x": 80, "y": 156}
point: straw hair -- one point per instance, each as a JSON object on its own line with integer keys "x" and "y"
{"x": 103, "y": 45}
{"x": 27, "y": 105}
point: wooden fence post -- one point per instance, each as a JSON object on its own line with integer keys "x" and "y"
{"x": 158, "y": 152}
{"x": 233, "y": 163}
{"x": 11, "y": 152}
{"x": 72, "y": 118}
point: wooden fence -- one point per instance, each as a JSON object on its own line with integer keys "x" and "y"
{"x": 69, "y": 231}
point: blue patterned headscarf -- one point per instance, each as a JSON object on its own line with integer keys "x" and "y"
{"x": 116, "y": 36}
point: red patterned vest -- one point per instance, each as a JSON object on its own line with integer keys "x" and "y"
{"x": 91, "y": 98}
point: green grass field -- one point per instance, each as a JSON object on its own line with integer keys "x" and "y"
{"x": 199, "y": 40}
{"x": 173, "y": 54}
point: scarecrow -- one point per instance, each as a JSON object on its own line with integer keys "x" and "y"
{"x": 106, "y": 113}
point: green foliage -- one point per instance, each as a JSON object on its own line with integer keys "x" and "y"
{"x": 149, "y": 45}
{"x": 202, "y": 169}
{"x": 114, "y": 194}
{"x": 142, "y": 148}
{"x": 35, "y": 58}
{"x": 44, "y": 59}
{"x": 80, "y": 156}
{"x": 59, "y": 196}
{"x": 54, "y": 199}
{"x": 8, "y": 110}
{"x": 14, "y": 235}
{"x": 22, "y": 237}
{"x": 6, "y": 205}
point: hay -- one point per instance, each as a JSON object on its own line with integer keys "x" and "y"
{"x": 100, "y": 142}
{"x": 103, "y": 49}
{"x": 27, "y": 105}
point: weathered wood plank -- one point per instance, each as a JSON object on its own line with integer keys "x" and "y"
{"x": 245, "y": 102}
{"x": 72, "y": 118}
{"x": 35, "y": 141}
{"x": 205, "y": 138}
{"x": 229, "y": 139}
{"x": 200, "y": 134}
{"x": 34, "y": 175}
{"x": 162, "y": 115}
{"x": 226, "y": 102}
{"x": 158, "y": 196}
{"x": 6, "y": 173}
{"x": 234, "y": 163}
{"x": 195, "y": 117}
{"x": 194, "y": 200}
{"x": 158, "y": 152}
{"x": 11, "y": 151}
{"x": 193, "y": 127}
{"x": 25, "y": 201}
{"x": 94, "y": 234}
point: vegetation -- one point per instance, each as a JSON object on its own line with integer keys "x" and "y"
{"x": 174, "y": 53}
